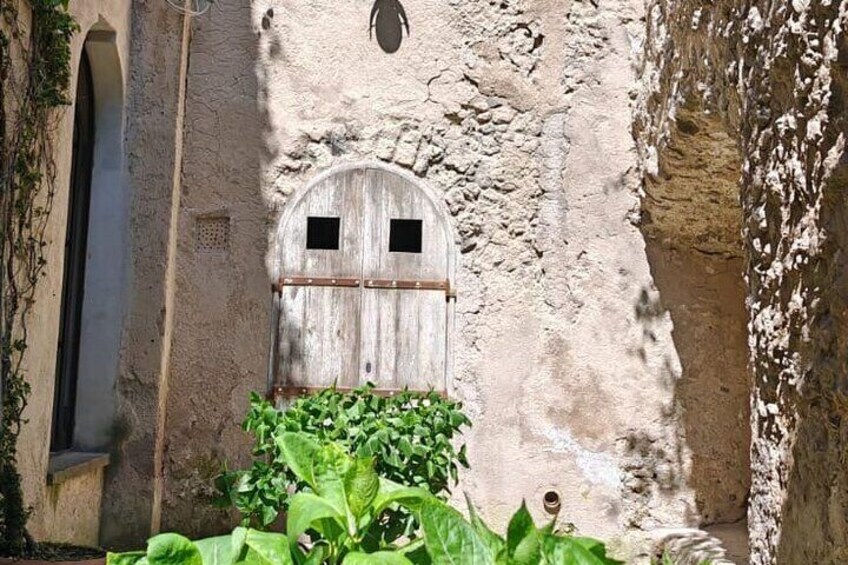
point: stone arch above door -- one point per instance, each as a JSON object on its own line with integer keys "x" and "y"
{"x": 365, "y": 266}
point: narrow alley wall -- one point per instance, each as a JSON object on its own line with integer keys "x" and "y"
{"x": 774, "y": 74}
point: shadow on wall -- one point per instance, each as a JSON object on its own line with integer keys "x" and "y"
{"x": 691, "y": 221}
{"x": 223, "y": 298}
{"x": 388, "y": 20}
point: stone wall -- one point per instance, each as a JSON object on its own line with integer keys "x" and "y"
{"x": 692, "y": 221}
{"x": 131, "y": 508}
{"x": 773, "y": 73}
{"x": 600, "y": 329}
{"x": 568, "y": 356}
{"x": 600, "y": 324}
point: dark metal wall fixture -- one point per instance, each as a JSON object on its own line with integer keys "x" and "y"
{"x": 388, "y": 18}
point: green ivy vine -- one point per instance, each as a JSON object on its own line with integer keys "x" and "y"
{"x": 35, "y": 72}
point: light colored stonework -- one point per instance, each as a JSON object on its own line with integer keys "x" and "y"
{"x": 519, "y": 115}
{"x": 589, "y": 155}
{"x": 53, "y": 508}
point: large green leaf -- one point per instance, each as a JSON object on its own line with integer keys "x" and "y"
{"x": 379, "y": 558}
{"x": 237, "y": 539}
{"x": 128, "y": 558}
{"x": 299, "y": 452}
{"x": 172, "y": 549}
{"x": 391, "y": 492}
{"x": 332, "y": 466}
{"x": 246, "y": 555}
{"x": 307, "y": 508}
{"x": 495, "y": 542}
{"x": 566, "y": 550}
{"x": 597, "y": 548}
{"x": 450, "y": 540}
{"x": 316, "y": 555}
{"x": 216, "y": 551}
{"x": 417, "y": 554}
{"x": 272, "y": 548}
{"x": 362, "y": 485}
{"x": 522, "y": 538}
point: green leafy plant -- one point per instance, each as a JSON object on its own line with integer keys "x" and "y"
{"x": 338, "y": 519}
{"x": 243, "y": 546}
{"x": 344, "y": 501}
{"x": 410, "y": 435}
{"x": 450, "y": 538}
{"x": 341, "y": 507}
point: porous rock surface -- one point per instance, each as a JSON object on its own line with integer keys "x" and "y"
{"x": 773, "y": 75}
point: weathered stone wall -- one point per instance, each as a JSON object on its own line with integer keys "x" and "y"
{"x": 221, "y": 337}
{"x": 518, "y": 113}
{"x": 72, "y": 510}
{"x": 692, "y": 221}
{"x": 599, "y": 334}
{"x": 153, "y": 106}
{"x": 774, "y": 73}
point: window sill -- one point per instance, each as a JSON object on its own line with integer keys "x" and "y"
{"x": 66, "y": 465}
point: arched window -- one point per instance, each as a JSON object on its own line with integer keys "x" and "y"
{"x": 365, "y": 260}
{"x": 96, "y": 253}
{"x": 73, "y": 285}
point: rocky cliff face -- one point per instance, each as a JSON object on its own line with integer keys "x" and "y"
{"x": 772, "y": 74}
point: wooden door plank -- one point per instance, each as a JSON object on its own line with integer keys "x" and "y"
{"x": 404, "y": 330}
{"x": 320, "y": 325}
{"x": 291, "y": 335}
{"x": 432, "y": 327}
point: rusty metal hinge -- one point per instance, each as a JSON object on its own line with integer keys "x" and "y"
{"x": 284, "y": 392}
{"x": 379, "y": 284}
{"x": 407, "y": 284}
{"x": 343, "y": 282}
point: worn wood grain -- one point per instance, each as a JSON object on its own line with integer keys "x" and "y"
{"x": 403, "y": 330}
{"x": 393, "y": 337}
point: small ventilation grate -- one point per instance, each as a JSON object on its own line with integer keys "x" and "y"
{"x": 213, "y": 234}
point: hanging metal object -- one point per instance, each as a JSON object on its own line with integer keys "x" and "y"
{"x": 191, "y": 7}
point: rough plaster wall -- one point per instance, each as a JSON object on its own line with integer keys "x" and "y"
{"x": 705, "y": 298}
{"x": 72, "y": 509}
{"x": 223, "y": 295}
{"x": 518, "y": 114}
{"x": 775, "y": 73}
{"x": 152, "y": 98}
{"x": 40, "y": 363}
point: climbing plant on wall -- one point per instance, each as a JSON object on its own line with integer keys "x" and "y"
{"x": 35, "y": 72}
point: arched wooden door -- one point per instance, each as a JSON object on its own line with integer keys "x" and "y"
{"x": 365, "y": 261}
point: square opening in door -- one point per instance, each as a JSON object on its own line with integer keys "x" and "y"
{"x": 322, "y": 233}
{"x": 405, "y": 236}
